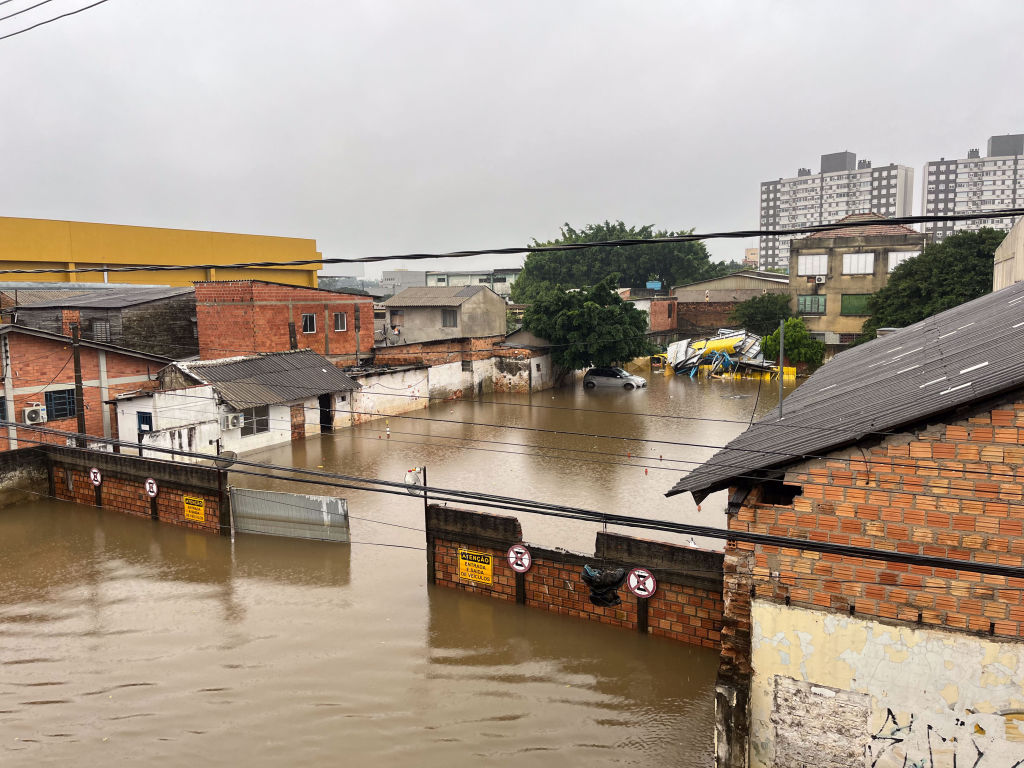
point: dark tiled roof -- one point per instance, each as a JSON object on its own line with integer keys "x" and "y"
{"x": 957, "y": 357}
{"x": 111, "y": 299}
{"x": 875, "y": 226}
{"x": 435, "y": 296}
{"x": 279, "y": 377}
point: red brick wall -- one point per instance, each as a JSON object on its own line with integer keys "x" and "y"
{"x": 438, "y": 352}
{"x": 663, "y": 315}
{"x": 705, "y": 315}
{"x": 37, "y": 362}
{"x": 952, "y": 491}
{"x": 687, "y": 612}
{"x": 127, "y": 495}
{"x": 245, "y": 317}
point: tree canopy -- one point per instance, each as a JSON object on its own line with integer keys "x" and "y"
{"x": 671, "y": 263}
{"x": 761, "y": 314}
{"x": 589, "y": 327}
{"x": 800, "y": 346}
{"x": 945, "y": 275}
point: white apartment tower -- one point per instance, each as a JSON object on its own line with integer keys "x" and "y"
{"x": 843, "y": 187}
{"x": 974, "y": 185}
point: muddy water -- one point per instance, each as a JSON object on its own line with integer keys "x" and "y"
{"x": 122, "y": 640}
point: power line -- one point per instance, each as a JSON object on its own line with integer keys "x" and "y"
{"x": 41, "y": 24}
{"x": 24, "y": 10}
{"x": 315, "y": 477}
{"x": 516, "y": 250}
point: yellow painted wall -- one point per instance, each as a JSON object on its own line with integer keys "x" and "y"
{"x": 41, "y": 243}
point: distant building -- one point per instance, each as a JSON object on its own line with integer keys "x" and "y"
{"x": 751, "y": 257}
{"x": 242, "y": 317}
{"x": 975, "y": 184}
{"x": 833, "y": 274}
{"x": 43, "y": 243}
{"x": 434, "y": 313}
{"x": 739, "y": 286}
{"x": 160, "y": 320}
{"x": 842, "y": 187}
{"x": 394, "y": 281}
{"x": 498, "y": 280}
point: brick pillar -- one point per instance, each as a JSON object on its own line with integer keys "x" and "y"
{"x": 732, "y": 688}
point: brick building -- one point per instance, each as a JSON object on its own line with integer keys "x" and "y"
{"x": 38, "y": 385}
{"x": 240, "y": 317}
{"x": 910, "y": 446}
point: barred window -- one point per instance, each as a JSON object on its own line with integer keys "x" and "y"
{"x": 60, "y": 404}
{"x": 812, "y": 304}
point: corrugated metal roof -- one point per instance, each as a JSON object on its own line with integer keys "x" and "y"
{"x": 109, "y": 299}
{"x": 279, "y": 377}
{"x": 435, "y": 296}
{"x": 954, "y": 358}
{"x": 25, "y": 296}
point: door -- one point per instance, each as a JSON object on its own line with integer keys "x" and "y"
{"x": 326, "y": 413}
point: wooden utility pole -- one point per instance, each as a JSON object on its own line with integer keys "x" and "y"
{"x": 79, "y": 393}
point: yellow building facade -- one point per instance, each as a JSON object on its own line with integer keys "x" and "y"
{"x": 47, "y": 244}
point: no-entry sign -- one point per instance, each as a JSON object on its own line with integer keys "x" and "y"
{"x": 641, "y": 582}
{"x": 95, "y": 477}
{"x": 519, "y": 558}
{"x": 151, "y": 488}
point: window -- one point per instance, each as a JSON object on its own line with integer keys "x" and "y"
{"x": 101, "y": 330}
{"x": 854, "y": 304}
{"x": 60, "y": 404}
{"x": 309, "y": 323}
{"x": 858, "y": 263}
{"x": 812, "y": 264}
{"x": 467, "y": 366}
{"x": 500, "y": 279}
{"x": 144, "y": 421}
{"x": 256, "y": 420}
{"x": 3, "y": 409}
{"x": 898, "y": 257}
{"x": 812, "y": 304}
{"x": 380, "y": 314}
{"x": 449, "y": 318}
{"x": 340, "y": 322}
{"x": 397, "y": 317}
{"x": 670, "y": 309}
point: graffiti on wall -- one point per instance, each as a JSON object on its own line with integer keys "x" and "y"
{"x": 913, "y": 741}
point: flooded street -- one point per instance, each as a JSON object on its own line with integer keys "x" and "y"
{"x": 125, "y": 640}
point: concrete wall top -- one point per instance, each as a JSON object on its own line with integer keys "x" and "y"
{"x": 454, "y": 522}
{"x": 200, "y": 478}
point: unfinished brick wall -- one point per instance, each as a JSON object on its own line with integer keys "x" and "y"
{"x": 704, "y": 316}
{"x": 239, "y": 317}
{"x": 438, "y": 352}
{"x": 687, "y": 605}
{"x": 952, "y": 490}
{"x": 663, "y": 315}
{"x": 123, "y": 486}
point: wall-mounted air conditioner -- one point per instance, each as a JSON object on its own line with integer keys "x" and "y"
{"x": 820, "y": 279}
{"x": 232, "y": 421}
{"x": 35, "y": 413}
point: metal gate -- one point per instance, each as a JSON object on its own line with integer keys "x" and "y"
{"x": 296, "y": 515}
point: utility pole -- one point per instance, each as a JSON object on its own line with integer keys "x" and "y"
{"x": 782, "y": 359}
{"x": 79, "y": 394}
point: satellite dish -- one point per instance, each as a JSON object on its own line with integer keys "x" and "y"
{"x": 225, "y": 459}
{"x": 414, "y": 481}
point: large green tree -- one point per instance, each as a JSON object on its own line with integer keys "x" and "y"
{"x": 589, "y": 327}
{"x": 800, "y": 346}
{"x": 761, "y": 314}
{"x": 671, "y": 263}
{"x": 945, "y": 275}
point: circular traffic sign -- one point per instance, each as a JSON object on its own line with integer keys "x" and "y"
{"x": 95, "y": 477}
{"x": 151, "y": 488}
{"x": 519, "y": 558}
{"x": 641, "y": 582}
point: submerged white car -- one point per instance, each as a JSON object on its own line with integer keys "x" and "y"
{"x": 612, "y": 377}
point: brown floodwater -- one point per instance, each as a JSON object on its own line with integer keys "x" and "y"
{"x": 125, "y": 640}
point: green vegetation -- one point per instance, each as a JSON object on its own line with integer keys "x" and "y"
{"x": 761, "y": 314}
{"x": 945, "y": 275}
{"x": 589, "y": 327}
{"x": 671, "y": 263}
{"x": 800, "y": 347}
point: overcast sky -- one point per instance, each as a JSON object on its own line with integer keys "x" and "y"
{"x": 385, "y": 127}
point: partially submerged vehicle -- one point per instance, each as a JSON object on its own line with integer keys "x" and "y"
{"x": 729, "y": 350}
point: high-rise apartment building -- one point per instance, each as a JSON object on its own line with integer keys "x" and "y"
{"x": 975, "y": 184}
{"x": 842, "y": 187}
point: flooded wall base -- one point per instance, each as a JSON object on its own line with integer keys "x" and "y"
{"x": 687, "y": 605}
{"x": 23, "y": 476}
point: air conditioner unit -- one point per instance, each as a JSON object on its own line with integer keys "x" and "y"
{"x": 35, "y": 413}
{"x": 820, "y": 279}
{"x": 233, "y": 421}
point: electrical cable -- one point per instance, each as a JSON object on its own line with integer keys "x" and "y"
{"x": 29, "y": 29}
{"x": 516, "y": 250}
{"x": 24, "y": 10}
{"x": 556, "y": 510}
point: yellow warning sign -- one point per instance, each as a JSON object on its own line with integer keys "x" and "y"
{"x": 475, "y": 566}
{"x": 195, "y": 508}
